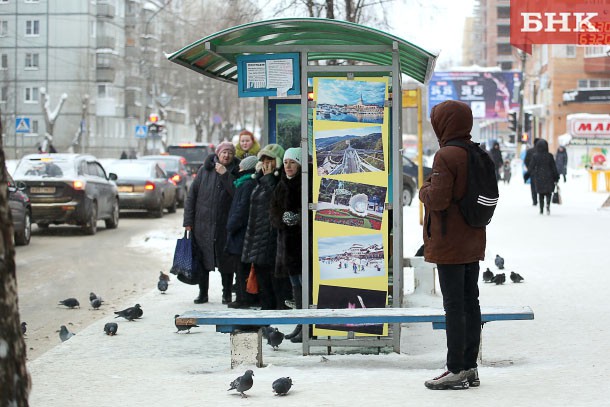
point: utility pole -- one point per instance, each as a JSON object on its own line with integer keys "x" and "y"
{"x": 521, "y": 116}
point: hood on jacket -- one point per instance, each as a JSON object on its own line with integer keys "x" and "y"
{"x": 451, "y": 120}
{"x": 542, "y": 146}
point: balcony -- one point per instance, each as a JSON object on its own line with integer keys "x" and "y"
{"x": 105, "y": 41}
{"x": 597, "y": 65}
{"x": 104, "y": 74}
{"x": 134, "y": 111}
{"x": 105, "y": 10}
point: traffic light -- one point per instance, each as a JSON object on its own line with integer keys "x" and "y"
{"x": 512, "y": 121}
{"x": 511, "y": 138}
{"x": 525, "y": 138}
{"x": 155, "y": 124}
{"x": 527, "y": 125}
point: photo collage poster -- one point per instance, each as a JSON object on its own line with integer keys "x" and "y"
{"x": 350, "y": 189}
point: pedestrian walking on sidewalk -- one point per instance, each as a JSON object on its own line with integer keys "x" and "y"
{"x": 561, "y": 159}
{"x": 544, "y": 173}
{"x": 205, "y": 213}
{"x": 454, "y": 246}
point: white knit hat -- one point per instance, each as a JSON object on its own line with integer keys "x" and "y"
{"x": 293, "y": 153}
{"x": 248, "y": 163}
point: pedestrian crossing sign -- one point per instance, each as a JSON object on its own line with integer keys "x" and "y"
{"x": 141, "y": 131}
{"x": 22, "y": 125}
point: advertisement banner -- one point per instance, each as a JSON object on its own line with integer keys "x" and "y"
{"x": 491, "y": 95}
{"x": 350, "y": 189}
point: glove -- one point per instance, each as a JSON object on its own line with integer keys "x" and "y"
{"x": 291, "y": 218}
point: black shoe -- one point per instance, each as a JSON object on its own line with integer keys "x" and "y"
{"x": 238, "y": 304}
{"x": 227, "y": 299}
{"x": 295, "y": 332}
{"x": 298, "y": 338}
{"x": 548, "y": 210}
{"x": 201, "y": 299}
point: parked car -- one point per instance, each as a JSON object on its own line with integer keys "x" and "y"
{"x": 21, "y": 211}
{"x": 69, "y": 188}
{"x": 175, "y": 168}
{"x": 411, "y": 168}
{"x": 409, "y": 189}
{"x": 144, "y": 185}
{"x": 194, "y": 153}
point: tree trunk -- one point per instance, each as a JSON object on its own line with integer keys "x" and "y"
{"x": 14, "y": 378}
{"x": 330, "y": 9}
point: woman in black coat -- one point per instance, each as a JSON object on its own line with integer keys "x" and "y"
{"x": 205, "y": 214}
{"x": 544, "y": 173}
{"x": 561, "y": 159}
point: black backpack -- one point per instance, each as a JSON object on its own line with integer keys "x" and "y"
{"x": 481, "y": 198}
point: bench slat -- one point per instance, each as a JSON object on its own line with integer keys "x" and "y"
{"x": 238, "y": 317}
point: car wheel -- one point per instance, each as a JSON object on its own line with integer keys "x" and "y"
{"x": 183, "y": 200}
{"x": 407, "y": 196}
{"x": 173, "y": 206}
{"x": 158, "y": 211}
{"x": 22, "y": 238}
{"x": 113, "y": 221}
{"x": 90, "y": 228}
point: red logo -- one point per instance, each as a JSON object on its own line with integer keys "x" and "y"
{"x": 558, "y": 22}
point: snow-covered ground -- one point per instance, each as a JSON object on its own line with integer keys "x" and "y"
{"x": 558, "y": 359}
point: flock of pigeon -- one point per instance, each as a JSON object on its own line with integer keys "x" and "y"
{"x": 500, "y": 278}
{"x": 245, "y": 382}
{"x": 110, "y": 328}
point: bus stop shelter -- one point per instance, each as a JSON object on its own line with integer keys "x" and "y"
{"x": 303, "y": 47}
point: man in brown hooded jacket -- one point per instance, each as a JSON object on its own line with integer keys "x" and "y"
{"x": 454, "y": 246}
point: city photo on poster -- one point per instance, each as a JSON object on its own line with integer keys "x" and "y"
{"x": 350, "y": 204}
{"x": 288, "y": 125}
{"x": 331, "y": 297}
{"x": 351, "y": 257}
{"x": 350, "y": 101}
{"x": 349, "y": 151}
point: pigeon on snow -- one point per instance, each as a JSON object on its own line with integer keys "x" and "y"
{"x": 162, "y": 286}
{"x": 24, "y": 327}
{"x": 70, "y": 302}
{"x": 110, "y": 328}
{"x": 181, "y": 327}
{"x": 96, "y": 303}
{"x": 281, "y": 386}
{"x": 265, "y": 331}
{"x": 275, "y": 338}
{"x": 499, "y": 279}
{"x": 163, "y": 276}
{"x": 488, "y": 275}
{"x": 130, "y": 313}
{"x": 499, "y": 262}
{"x": 515, "y": 277}
{"x": 243, "y": 383}
{"x": 64, "y": 334}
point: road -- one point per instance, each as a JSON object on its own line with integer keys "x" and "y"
{"x": 61, "y": 262}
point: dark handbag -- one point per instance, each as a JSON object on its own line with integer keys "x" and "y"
{"x": 556, "y": 198}
{"x": 526, "y": 176}
{"x": 184, "y": 265}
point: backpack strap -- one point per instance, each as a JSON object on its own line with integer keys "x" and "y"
{"x": 444, "y": 213}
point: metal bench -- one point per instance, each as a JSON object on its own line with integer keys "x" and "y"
{"x": 245, "y": 341}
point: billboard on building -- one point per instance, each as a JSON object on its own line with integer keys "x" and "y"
{"x": 491, "y": 95}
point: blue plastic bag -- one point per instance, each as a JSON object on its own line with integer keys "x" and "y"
{"x": 184, "y": 265}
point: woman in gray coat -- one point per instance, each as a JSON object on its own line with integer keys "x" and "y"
{"x": 205, "y": 214}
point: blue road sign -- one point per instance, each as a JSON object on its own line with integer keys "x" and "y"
{"x": 22, "y": 125}
{"x": 141, "y": 131}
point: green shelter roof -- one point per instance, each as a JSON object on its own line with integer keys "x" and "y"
{"x": 216, "y": 55}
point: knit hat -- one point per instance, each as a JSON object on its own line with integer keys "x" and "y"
{"x": 293, "y": 153}
{"x": 225, "y": 145}
{"x": 248, "y": 163}
{"x": 273, "y": 151}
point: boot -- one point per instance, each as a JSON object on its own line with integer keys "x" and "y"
{"x": 299, "y": 337}
{"x": 227, "y": 283}
{"x": 204, "y": 283}
{"x": 548, "y": 209}
{"x": 296, "y": 331}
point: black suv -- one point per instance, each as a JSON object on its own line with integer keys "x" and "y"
{"x": 194, "y": 153}
{"x": 21, "y": 211}
{"x": 69, "y": 188}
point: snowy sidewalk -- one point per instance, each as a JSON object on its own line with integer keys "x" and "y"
{"x": 551, "y": 361}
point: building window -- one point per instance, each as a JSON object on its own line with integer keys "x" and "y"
{"x": 32, "y": 28}
{"x": 594, "y": 84}
{"x": 3, "y": 28}
{"x": 504, "y": 31}
{"x": 31, "y": 61}
{"x": 503, "y": 12}
{"x": 31, "y": 95}
{"x": 3, "y": 1}
{"x": 32, "y": 1}
{"x": 34, "y": 128}
{"x": 570, "y": 51}
{"x": 3, "y": 94}
{"x": 506, "y": 66}
{"x": 593, "y": 51}
{"x": 505, "y": 49}
{"x": 4, "y": 61}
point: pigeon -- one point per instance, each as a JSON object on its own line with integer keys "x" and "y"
{"x": 163, "y": 276}
{"x": 92, "y": 296}
{"x": 70, "y": 302}
{"x": 499, "y": 262}
{"x": 488, "y": 275}
{"x": 186, "y": 327}
{"x": 130, "y": 313}
{"x": 23, "y": 327}
{"x": 265, "y": 331}
{"x": 275, "y": 338}
{"x": 96, "y": 303}
{"x": 162, "y": 286}
{"x": 110, "y": 328}
{"x": 281, "y": 386}
{"x": 64, "y": 334}
{"x": 515, "y": 277}
{"x": 243, "y": 383}
{"x": 499, "y": 279}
